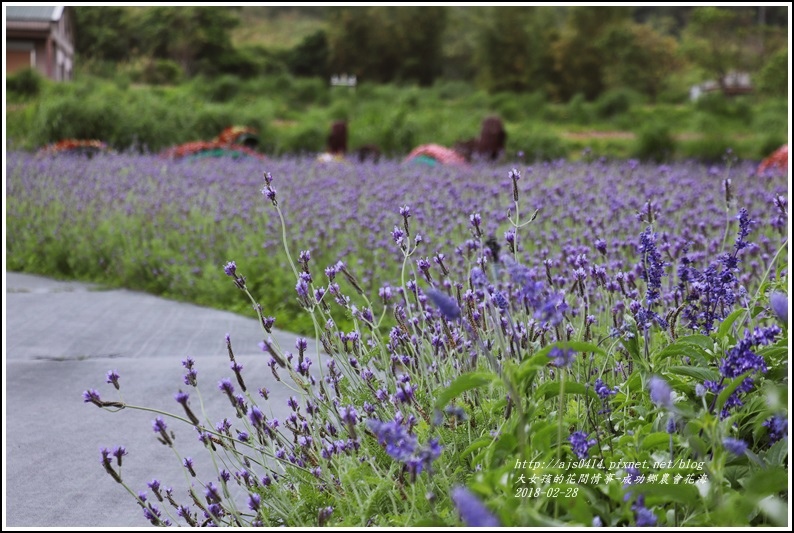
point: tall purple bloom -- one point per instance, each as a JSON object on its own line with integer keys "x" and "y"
{"x": 562, "y": 357}
{"x": 400, "y": 444}
{"x": 735, "y": 446}
{"x": 711, "y": 294}
{"x": 471, "y": 509}
{"x": 113, "y": 377}
{"x": 778, "y": 428}
{"x": 661, "y": 393}
{"x": 652, "y": 272}
{"x": 254, "y": 500}
{"x": 580, "y": 444}
{"x": 92, "y": 396}
{"x": 779, "y": 303}
{"x": 447, "y": 305}
{"x": 643, "y": 516}
{"x": 740, "y": 359}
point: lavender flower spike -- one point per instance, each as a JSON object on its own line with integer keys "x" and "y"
{"x": 447, "y": 305}
{"x": 661, "y": 393}
{"x": 779, "y": 303}
{"x": 735, "y": 446}
{"x": 471, "y": 509}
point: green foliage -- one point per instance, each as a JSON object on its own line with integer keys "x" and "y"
{"x": 76, "y": 117}
{"x": 104, "y": 33}
{"x": 773, "y": 78}
{"x": 452, "y": 89}
{"x": 655, "y": 143}
{"x": 721, "y": 40}
{"x": 578, "y": 59}
{"x": 161, "y": 72}
{"x": 25, "y": 83}
{"x": 397, "y": 119}
{"x": 197, "y": 38}
{"x": 638, "y": 57}
{"x": 719, "y": 105}
{"x": 578, "y": 110}
{"x": 711, "y": 148}
{"x": 222, "y": 88}
{"x": 515, "y": 107}
{"x": 535, "y": 142}
{"x": 509, "y": 54}
{"x": 616, "y": 102}
{"x": 384, "y": 44}
{"x": 310, "y": 57}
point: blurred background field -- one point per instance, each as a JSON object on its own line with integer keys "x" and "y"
{"x": 567, "y": 81}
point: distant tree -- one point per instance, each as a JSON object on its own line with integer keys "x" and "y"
{"x": 508, "y": 50}
{"x": 310, "y": 57}
{"x": 579, "y": 60}
{"x": 351, "y": 42}
{"x": 418, "y": 34}
{"x": 773, "y": 78}
{"x": 103, "y": 33}
{"x": 385, "y": 44}
{"x": 722, "y": 40}
{"x": 459, "y": 42}
{"x": 638, "y": 57}
{"x": 187, "y": 34}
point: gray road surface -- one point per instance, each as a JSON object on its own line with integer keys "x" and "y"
{"x": 62, "y": 338}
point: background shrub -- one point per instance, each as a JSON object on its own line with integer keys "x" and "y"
{"x": 654, "y": 143}
{"x": 616, "y": 102}
{"x": 27, "y": 83}
{"x": 535, "y": 142}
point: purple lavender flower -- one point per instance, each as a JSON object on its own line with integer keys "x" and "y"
{"x": 580, "y": 444}
{"x": 323, "y": 515}
{"x": 118, "y": 453}
{"x": 225, "y": 386}
{"x": 735, "y": 446}
{"x": 92, "y": 396}
{"x": 256, "y": 416}
{"x": 562, "y": 357}
{"x": 159, "y": 426}
{"x": 270, "y": 193}
{"x": 349, "y": 415}
{"x": 779, "y": 303}
{"x": 230, "y": 269}
{"x": 661, "y": 393}
{"x": 113, "y": 377}
{"x": 400, "y": 445}
{"x": 471, "y": 509}
{"x": 601, "y": 246}
{"x": 187, "y": 462}
{"x": 211, "y": 493}
{"x": 643, "y": 516}
{"x": 254, "y": 501}
{"x": 447, "y": 305}
{"x": 603, "y": 391}
{"x": 424, "y": 458}
{"x": 778, "y": 428}
{"x": 740, "y": 359}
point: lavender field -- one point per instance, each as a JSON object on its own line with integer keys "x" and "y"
{"x": 582, "y": 343}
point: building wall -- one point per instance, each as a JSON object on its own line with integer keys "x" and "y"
{"x": 19, "y": 55}
{"x": 50, "y": 50}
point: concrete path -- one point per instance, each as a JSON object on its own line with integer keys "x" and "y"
{"x": 61, "y": 338}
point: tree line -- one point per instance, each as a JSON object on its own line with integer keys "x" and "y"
{"x": 559, "y": 51}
